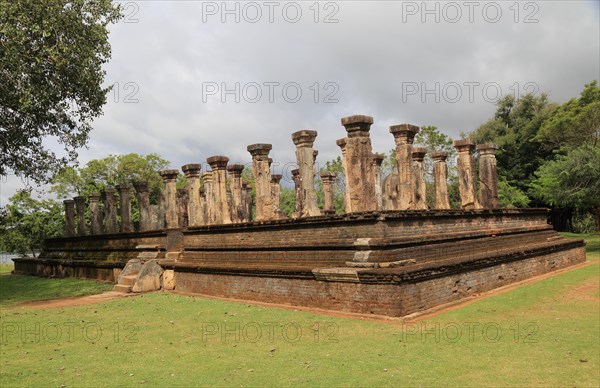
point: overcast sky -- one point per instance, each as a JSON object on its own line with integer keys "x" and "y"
{"x": 179, "y": 66}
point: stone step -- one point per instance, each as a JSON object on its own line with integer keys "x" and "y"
{"x": 128, "y": 280}
{"x": 122, "y": 288}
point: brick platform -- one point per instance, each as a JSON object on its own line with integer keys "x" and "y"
{"x": 389, "y": 263}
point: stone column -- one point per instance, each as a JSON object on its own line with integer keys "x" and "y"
{"x": 342, "y": 144}
{"x": 170, "y": 198}
{"x": 305, "y": 158}
{"x": 265, "y": 209}
{"x": 377, "y": 162}
{"x": 218, "y": 164}
{"x": 69, "y": 217}
{"x": 237, "y": 195}
{"x": 182, "y": 207}
{"x": 466, "y": 174}
{"x": 488, "y": 179}
{"x": 328, "y": 179}
{"x": 125, "y": 207}
{"x": 203, "y": 208}
{"x": 209, "y": 198}
{"x": 111, "y": 225}
{"x": 247, "y": 192}
{"x": 275, "y": 188}
{"x": 192, "y": 175}
{"x": 143, "y": 200}
{"x": 418, "y": 175}
{"x": 80, "y": 210}
{"x": 440, "y": 176}
{"x": 95, "y": 214}
{"x": 298, "y": 191}
{"x": 404, "y": 135}
{"x": 359, "y": 160}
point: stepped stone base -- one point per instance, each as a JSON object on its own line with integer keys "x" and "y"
{"x": 388, "y": 263}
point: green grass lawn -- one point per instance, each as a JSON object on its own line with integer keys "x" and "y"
{"x": 545, "y": 334}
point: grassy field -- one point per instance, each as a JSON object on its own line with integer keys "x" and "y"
{"x": 544, "y": 334}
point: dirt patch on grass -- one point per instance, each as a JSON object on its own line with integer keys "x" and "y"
{"x": 587, "y": 291}
{"x": 75, "y": 301}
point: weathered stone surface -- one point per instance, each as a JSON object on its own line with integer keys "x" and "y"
{"x": 404, "y": 135}
{"x": 125, "y": 208}
{"x": 237, "y": 195}
{"x": 218, "y": 164}
{"x": 328, "y": 179}
{"x": 377, "y": 162}
{"x": 342, "y": 144}
{"x": 168, "y": 280}
{"x": 488, "y": 179}
{"x": 111, "y": 224}
{"x": 143, "y": 200}
{"x": 359, "y": 158}
{"x": 194, "y": 210}
{"x": 397, "y": 264}
{"x": 247, "y": 190}
{"x": 170, "y": 198}
{"x": 298, "y": 191}
{"x": 132, "y": 267}
{"x": 391, "y": 198}
{"x": 182, "y": 207}
{"x": 95, "y": 213}
{"x": 420, "y": 199}
{"x": 69, "y": 217}
{"x": 466, "y": 174}
{"x": 265, "y": 209}
{"x": 149, "y": 277}
{"x": 440, "y": 177}
{"x": 305, "y": 158}
{"x": 209, "y": 198}
{"x": 80, "y": 209}
{"x": 276, "y": 193}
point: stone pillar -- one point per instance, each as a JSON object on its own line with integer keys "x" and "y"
{"x": 359, "y": 160}
{"x": 275, "y": 188}
{"x": 488, "y": 179}
{"x": 125, "y": 208}
{"x": 218, "y": 164}
{"x": 80, "y": 210}
{"x": 69, "y": 217}
{"x": 111, "y": 225}
{"x": 182, "y": 207}
{"x": 466, "y": 174}
{"x": 192, "y": 175}
{"x": 170, "y": 198}
{"x": 143, "y": 200}
{"x": 203, "y": 208}
{"x": 404, "y": 135}
{"x": 418, "y": 176}
{"x": 328, "y": 179}
{"x": 305, "y": 158}
{"x": 298, "y": 191}
{"x": 237, "y": 195}
{"x": 209, "y": 198}
{"x": 265, "y": 209}
{"x": 342, "y": 144}
{"x": 95, "y": 214}
{"x": 440, "y": 176}
{"x": 377, "y": 162}
{"x": 247, "y": 192}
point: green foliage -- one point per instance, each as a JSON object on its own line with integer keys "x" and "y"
{"x": 335, "y": 166}
{"x": 287, "y": 200}
{"x": 435, "y": 141}
{"x": 511, "y": 196}
{"x": 51, "y": 70}
{"x": 571, "y": 180}
{"x": 109, "y": 172}
{"x": 574, "y": 123}
{"x": 26, "y": 222}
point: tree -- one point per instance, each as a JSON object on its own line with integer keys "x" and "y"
{"x": 109, "y": 172}
{"x": 51, "y": 57}
{"x": 26, "y": 222}
{"x": 572, "y": 180}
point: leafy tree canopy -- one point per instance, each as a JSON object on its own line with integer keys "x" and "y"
{"x": 51, "y": 57}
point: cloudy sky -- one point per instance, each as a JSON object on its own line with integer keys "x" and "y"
{"x": 195, "y": 79}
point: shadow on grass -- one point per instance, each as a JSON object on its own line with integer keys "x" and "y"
{"x": 16, "y": 289}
